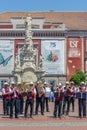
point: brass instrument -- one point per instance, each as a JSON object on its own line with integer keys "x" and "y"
{"x": 57, "y": 92}
{"x": 27, "y": 89}
{"x": 40, "y": 89}
{"x": 21, "y": 90}
{"x": 68, "y": 87}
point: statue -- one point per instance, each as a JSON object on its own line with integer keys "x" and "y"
{"x": 41, "y": 61}
{"x": 17, "y": 60}
{"x": 27, "y": 57}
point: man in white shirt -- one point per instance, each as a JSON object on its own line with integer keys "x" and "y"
{"x": 46, "y": 96}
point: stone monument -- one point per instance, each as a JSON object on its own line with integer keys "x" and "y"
{"x": 26, "y": 69}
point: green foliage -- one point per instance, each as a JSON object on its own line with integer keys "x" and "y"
{"x": 78, "y": 77}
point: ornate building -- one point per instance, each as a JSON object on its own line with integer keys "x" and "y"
{"x": 59, "y": 37}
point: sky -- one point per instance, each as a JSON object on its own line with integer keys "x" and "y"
{"x": 43, "y": 5}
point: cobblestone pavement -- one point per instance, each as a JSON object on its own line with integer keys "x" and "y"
{"x": 44, "y": 122}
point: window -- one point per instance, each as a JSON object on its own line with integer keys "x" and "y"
{"x": 35, "y": 26}
{"x": 86, "y": 45}
{"x": 19, "y": 26}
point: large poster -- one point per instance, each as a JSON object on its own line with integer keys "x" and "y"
{"x": 53, "y": 53}
{"x": 74, "y": 56}
{"x": 6, "y": 57}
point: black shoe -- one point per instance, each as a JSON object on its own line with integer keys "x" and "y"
{"x": 42, "y": 113}
{"x": 16, "y": 117}
{"x": 21, "y": 112}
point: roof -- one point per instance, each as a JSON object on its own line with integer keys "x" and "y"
{"x": 72, "y": 20}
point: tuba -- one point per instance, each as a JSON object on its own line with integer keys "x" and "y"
{"x": 23, "y": 89}
{"x": 28, "y": 88}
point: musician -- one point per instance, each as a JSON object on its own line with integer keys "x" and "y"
{"x": 59, "y": 94}
{"x": 82, "y": 101}
{"x": 46, "y": 96}
{"x": 73, "y": 93}
{"x": 14, "y": 100}
{"x": 39, "y": 98}
{"x": 67, "y": 96}
{"x": 30, "y": 100}
{"x": 21, "y": 100}
{"x": 6, "y": 98}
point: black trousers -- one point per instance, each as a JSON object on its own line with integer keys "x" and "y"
{"x": 29, "y": 102}
{"x": 57, "y": 108}
{"x": 72, "y": 101}
{"x": 66, "y": 101}
{"x": 39, "y": 102}
{"x": 21, "y": 105}
{"x": 46, "y": 103}
{"x": 14, "y": 103}
{"x": 6, "y": 106}
{"x": 82, "y": 107}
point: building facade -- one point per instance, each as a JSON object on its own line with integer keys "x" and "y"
{"x": 60, "y": 37}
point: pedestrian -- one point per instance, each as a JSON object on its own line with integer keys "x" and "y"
{"x": 46, "y": 96}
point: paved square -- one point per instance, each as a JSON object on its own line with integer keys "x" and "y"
{"x": 44, "y": 122}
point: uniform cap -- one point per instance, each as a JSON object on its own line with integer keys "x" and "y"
{"x": 82, "y": 82}
{"x": 6, "y": 83}
{"x": 37, "y": 82}
{"x": 67, "y": 82}
{"x": 59, "y": 84}
{"x": 45, "y": 82}
{"x": 72, "y": 82}
{"x": 31, "y": 83}
{"x": 19, "y": 83}
{"x": 12, "y": 82}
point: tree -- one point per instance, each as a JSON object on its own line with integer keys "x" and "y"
{"x": 78, "y": 77}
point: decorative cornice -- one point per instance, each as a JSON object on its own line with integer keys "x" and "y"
{"x": 43, "y": 33}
